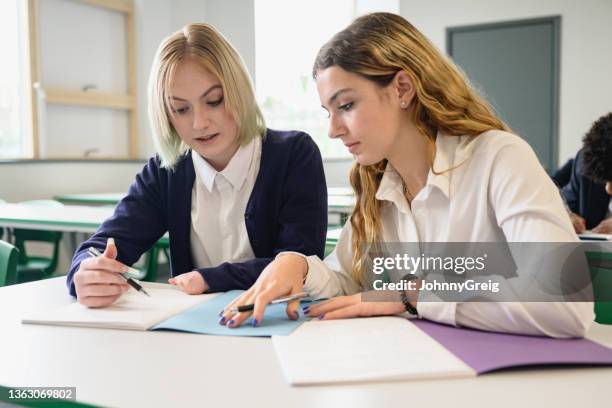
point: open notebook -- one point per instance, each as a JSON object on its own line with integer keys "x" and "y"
{"x": 394, "y": 348}
{"x": 167, "y": 309}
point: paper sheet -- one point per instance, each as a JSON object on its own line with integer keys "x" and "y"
{"x": 368, "y": 349}
{"x": 133, "y": 311}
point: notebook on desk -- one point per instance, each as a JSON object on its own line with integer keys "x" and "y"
{"x": 168, "y": 308}
{"x": 394, "y": 348}
{"x": 592, "y": 236}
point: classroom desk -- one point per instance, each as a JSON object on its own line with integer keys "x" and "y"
{"x": 69, "y": 218}
{"x": 340, "y": 200}
{"x": 341, "y": 191}
{"x": 90, "y": 199}
{"x": 161, "y": 369}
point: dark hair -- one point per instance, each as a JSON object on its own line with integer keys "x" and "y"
{"x": 597, "y": 150}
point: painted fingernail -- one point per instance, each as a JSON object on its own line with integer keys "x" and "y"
{"x": 306, "y": 309}
{"x": 321, "y": 316}
{"x": 231, "y": 322}
{"x": 222, "y": 320}
{"x": 221, "y": 313}
{"x": 254, "y": 323}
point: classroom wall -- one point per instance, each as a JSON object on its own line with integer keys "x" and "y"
{"x": 585, "y": 86}
{"x": 586, "y": 60}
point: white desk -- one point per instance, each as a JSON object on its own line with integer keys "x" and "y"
{"x": 162, "y": 369}
{"x": 69, "y": 218}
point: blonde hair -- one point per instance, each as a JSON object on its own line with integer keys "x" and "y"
{"x": 205, "y": 45}
{"x": 377, "y": 46}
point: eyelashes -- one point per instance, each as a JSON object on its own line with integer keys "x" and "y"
{"x": 346, "y": 107}
{"x": 183, "y": 111}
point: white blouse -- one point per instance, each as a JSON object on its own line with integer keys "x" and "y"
{"x": 218, "y": 203}
{"x": 500, "y": 194}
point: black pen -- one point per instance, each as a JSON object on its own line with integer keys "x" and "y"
{"x": 248, "y": 308}
{"x": 94, "y": 252}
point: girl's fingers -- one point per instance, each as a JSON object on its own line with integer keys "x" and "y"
{"x": 365, "y": 309}
{"x": 261, "y": 302}
{"x": 102, "y": 290}
{"x": 353, "y": 310}
{"x": 98, "y": 276}
{"x": 236, "y": 319}
{"x": 330, "y": 305}
{"x": 294, "y": 306}
{"x": 293, "y": 309}
{"x": 104, "y": 263}
{"x": 226, "y": 315}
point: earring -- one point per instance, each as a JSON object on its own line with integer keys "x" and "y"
{"x": 403, "y": 105}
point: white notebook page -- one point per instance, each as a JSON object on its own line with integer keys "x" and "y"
{"x": 365, "y": 349}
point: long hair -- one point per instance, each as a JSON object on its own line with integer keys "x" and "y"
{"x": 204, "y": 44}
{"x": 377, "y": 46}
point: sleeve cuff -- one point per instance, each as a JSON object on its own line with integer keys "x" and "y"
{"x": 432, "y": 308}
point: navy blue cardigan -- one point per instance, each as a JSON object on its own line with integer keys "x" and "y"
{"x": 287, "y": 211}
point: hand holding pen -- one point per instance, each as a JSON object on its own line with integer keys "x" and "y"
{"x": 94, "y": 252}
{"x": 283, "y": 277}
{"x": 98, "y": 281}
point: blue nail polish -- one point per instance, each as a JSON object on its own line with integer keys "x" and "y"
{"x": 221, "y": 313}
{"x": 305, "y": 309}
{"x": 231, "y": 322}
{"x": 254, "y": 322}
{"x": 222, "y": 320}
{"x": 321, "y": 316}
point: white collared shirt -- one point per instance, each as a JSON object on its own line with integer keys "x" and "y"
{"x": 500, "y": 193}
{"x": 218, "y": 203}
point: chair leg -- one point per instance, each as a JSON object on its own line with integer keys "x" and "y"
{"x": 151, "y": 264}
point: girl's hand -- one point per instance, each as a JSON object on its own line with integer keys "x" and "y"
{"x": 604, "y": 227}
{"x": 97, "y": 282}
{"x": 191, "y": 283}
{"x": 344, "y": 307}
{"x": 282, "y": 277}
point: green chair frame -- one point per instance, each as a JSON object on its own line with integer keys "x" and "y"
{"x": 8, "y": 263}
{"x": 30, "y": 267}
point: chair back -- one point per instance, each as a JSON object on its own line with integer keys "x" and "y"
{"x": 8, "y": 263}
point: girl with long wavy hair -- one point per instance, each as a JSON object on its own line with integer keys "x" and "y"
{"x": 433, "y": 163}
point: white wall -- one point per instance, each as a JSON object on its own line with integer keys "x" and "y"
{"x": 585, "y": 84}
{"x": 586, "y": 57}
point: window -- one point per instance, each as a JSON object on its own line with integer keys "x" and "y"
{"x": 288, "y": 35}
{"x": 15, "y": 122}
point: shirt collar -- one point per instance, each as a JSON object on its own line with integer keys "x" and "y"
{"x": 450, "y": 151}
{"x": 236, "y": 170}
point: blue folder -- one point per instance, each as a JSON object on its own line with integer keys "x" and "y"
{"x": 204, "y": 319}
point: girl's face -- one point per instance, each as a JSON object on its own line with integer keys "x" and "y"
{"x": 199, "y": 115}
{"x": 363, "y": 115}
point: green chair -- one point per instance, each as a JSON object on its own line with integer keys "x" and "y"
{"x": 152, "y": 259}
{"x": 8, "y": 263}
{"x": 29, "y": 267}
{"x": 602, "y": 285}
{"x": 329, "y": 247}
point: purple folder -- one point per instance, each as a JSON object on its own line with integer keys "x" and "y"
{"x": 486, "y": 351}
